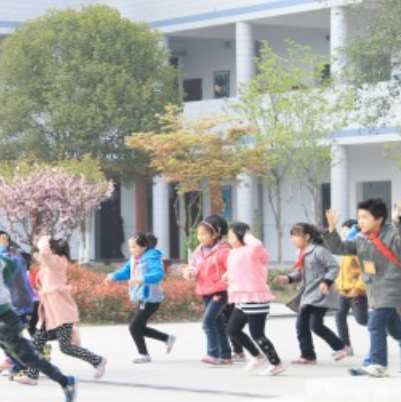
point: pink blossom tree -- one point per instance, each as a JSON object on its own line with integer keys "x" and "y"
{"x": 38, "y": 199}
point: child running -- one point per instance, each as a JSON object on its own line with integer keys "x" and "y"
{"x": 15, "y": 345}
{"x": 248, "y": 289}
{"x": 351, "y": 289}
{"x": 378, "y": 248}
{"x": 57, "y": 309}
{"x": 207, "y": 266}
{"x": 144, "y": 271}
{"x": 317, "y": 270}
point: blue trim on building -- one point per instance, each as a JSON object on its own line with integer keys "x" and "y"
{"x": 10, "y": 24}
{"x": 231, "y": 12}
{"x": 359, "y": 132}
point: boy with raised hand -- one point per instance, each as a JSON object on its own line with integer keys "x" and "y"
{"x": 15, "y": 345}
{"x": 378, "y": 247}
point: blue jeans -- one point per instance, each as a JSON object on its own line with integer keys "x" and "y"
{"x": 20, "y": 349}
{"x": 214, "y": 326}
{"x": 382, "y": 321}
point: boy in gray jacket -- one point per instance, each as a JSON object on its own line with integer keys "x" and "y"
{"x": 14, "y": 344}
{"x": 378, "y": 248}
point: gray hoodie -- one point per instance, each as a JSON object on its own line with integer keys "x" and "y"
{"x": 319, "y": 266}
{"x": 383, "y": 288}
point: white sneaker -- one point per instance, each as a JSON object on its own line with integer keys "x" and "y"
{"x": 170, "y": 343}
{"x": 142, "y": 359}
{"x": 376, "y": 370}
{"x": 255, "y": 363}
{"x": 273, "y": 370}
{"x": 100, "y": 369}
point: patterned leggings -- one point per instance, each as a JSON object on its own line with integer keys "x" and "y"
{"x": 63, "y": 335}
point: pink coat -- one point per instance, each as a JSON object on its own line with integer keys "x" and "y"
{"x": 210, "y": 268}
{"x": 247, "y": 273}
{"x": 57, "y": 307}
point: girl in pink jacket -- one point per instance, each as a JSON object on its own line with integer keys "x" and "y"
{"x": 207, "y": 266}
{"x": 57, "y": 309}
{"x": 248, "y": 289}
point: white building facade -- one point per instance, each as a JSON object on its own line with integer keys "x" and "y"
{"x": 215, "y": 40}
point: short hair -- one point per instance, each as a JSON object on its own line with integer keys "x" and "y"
{"x": 376, "y": 207}
{"x": 349, "y": 223}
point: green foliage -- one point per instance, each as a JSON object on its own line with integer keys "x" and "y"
{"x": 77, "y": 82}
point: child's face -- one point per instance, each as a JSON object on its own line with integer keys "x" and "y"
{"x": 233, "y": 239}
{"x": 206, "y": 239}
{"x": 135, "y": 249}
{"x": 367, "y": 222}
{"x": 300, "y": 240}
{"x": 344, "y": 232}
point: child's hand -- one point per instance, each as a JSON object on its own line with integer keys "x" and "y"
{"x": 135, "y": 280}
{"x": 333, "y": 218}
{"x": 224, "y": 278}
{"x": 188, "y": 273}
{"x": 324, "y": 288}
{"x": 108, "y": 279}
{"x": 281, "y": 279}
{"x": 4, "y": 240}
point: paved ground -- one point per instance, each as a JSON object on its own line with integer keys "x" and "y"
{"x": 180, "y": 377}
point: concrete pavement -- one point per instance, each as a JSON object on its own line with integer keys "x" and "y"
{"x": 181, "y": 377}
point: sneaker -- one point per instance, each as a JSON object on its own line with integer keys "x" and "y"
{"x": 376, "y": 370}
{"x": 21, "y": 373}
{"x": 76, "y": 337}
{"x": 350, "y": 351}
{"x": 70, "y": 390}
{"x": 304, "y": 361}
{"x": 6, "y": 365}
{"x": 26, "y": 380}
{"x": 47, "y": 351}
{"x": 356, "y": 372}
{"x": 255, "y": 363}
{"x": 100, "y": 369}
{"x": 170, "y": 343}
{"x": 239, "y": 357}
{"x": 340, "y": 354}
{"x": 142, "y": 359}
{"x": 12, "y": 372}
{"x": 273, "y": 370}
{"x": 210, "y": 360}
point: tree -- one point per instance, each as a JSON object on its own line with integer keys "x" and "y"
{"x": 293, "y": 111}
{"x": 78, "y": 82}
{"x": 197, "y": 154}
{"x": 39, "y": 198}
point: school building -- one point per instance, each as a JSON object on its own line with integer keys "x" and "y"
{"x": 214, "y": 42}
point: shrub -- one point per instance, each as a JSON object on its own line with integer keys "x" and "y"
{"x": 100, "y": 303}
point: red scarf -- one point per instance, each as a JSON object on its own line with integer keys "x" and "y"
{"x": 300, "y": 262}
{"x": 383, "y": 249}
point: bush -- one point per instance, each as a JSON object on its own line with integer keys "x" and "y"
{"x": 100, "y": 303}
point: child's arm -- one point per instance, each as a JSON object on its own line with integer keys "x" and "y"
{"x": 155, "y": 271}
{"x": 256, "y": 248}
{"x": 332, "y": 267}
{"x": 123, "y": 274}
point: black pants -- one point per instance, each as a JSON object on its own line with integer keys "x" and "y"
{"x": 359, "y": 307}
{"x": 310, "y": 319}
{"x": 19, "y": 348}
{"x": 256, "y": 323}
{"x": 139, "y": 329}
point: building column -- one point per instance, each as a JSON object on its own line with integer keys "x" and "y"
{"x": 340, "y": 181}
{"x": 339, "y": 34}
{"x": 245, "y": 204}
{"x": 161, "y": 214}
{"x": 244, "y": 53}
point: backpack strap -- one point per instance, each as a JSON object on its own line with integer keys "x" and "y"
{"x": 390, "y": 255}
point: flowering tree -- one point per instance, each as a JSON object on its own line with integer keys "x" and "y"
{"x": 41, "y": 199}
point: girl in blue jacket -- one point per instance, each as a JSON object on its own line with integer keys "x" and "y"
{"x": 144, "y": 272}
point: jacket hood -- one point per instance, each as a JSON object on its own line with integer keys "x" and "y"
{"x": 151, "y": 253}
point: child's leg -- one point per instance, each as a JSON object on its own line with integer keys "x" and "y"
{"x": 378, "y": 335}
{"x": 149, "y": 332}
{"x": 359, "y": 306}
{"x": 257, "y": 329}
{"x": 39, "y": 341}
{"x": 64, "y": 334}
{"x": 304, "y": 334}
{"x": 138, "y": 325}
{"x": 317, "y": 326}
{"x": 227, "y": 313}
{"x": 341, "y": 319}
